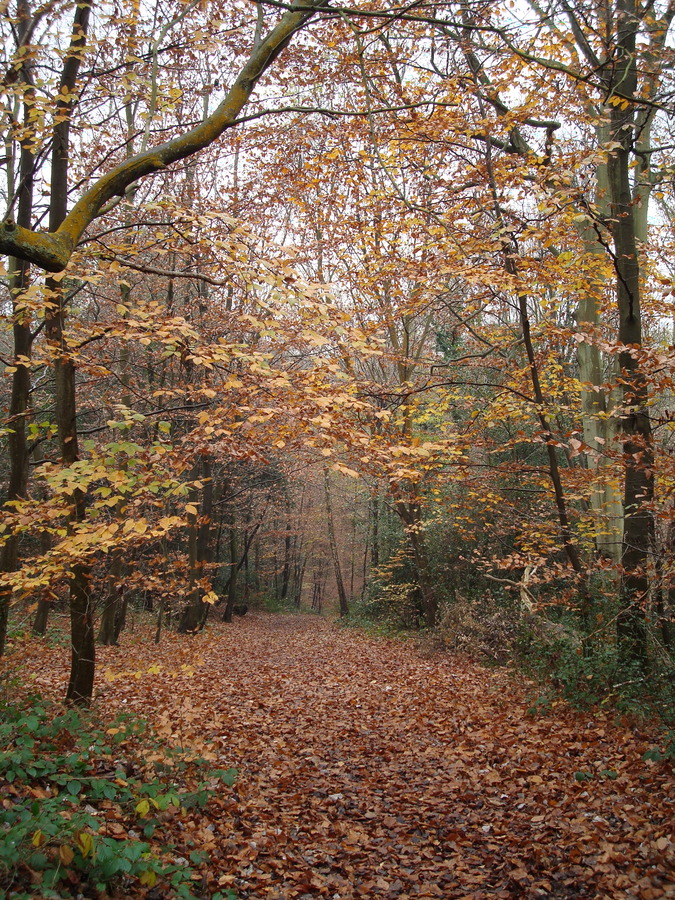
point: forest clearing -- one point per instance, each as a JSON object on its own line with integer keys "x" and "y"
{"x": 367, "y": 770}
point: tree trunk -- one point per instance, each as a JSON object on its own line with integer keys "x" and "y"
{"x": 160, "y": 620}
{"x": 41, "y": 617}
{"x": 342, "y": 594}
{"x": 109, "y": 628}
{"x": 637, "y": 441}
{"x": 410, "y": 514}
{"x": 299, "y": 579}
{"x": 232, "y": 580}
{"x": 199, "y": 545}
{"x": 286, "y": 572}
{"x": 375, "y": 552}
{"x": 17, "y": 437}
{"x": 600, "y": 424}
{"x": 19, "y": 274}
{"x": 81, "y": 681}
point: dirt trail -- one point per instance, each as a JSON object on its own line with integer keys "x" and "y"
{"x": 368, "y": 771}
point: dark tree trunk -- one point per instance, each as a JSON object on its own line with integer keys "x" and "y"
{"x": 108, "y": 632}
{"x": 17, "y": 440}
{"x": 199, "y": 546}
{"x": 411, "y": 516}
{"x": 41, "y": 617}
{"x": 286, "y": 572}
{"x": 638, "y": 453}
{"x": 299, "y": 579}
{"x": 19, "y": 272}
{"x": 232, "y": 581}
{"x": 342, "y": 594}
{"x": 120, "y": 616}
{"x": 160, "y": 620}
{"x": 318, "y": 588}
{"x": 81, "y": 682}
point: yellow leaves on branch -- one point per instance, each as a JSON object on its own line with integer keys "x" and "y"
{"x": 345, "y": 470}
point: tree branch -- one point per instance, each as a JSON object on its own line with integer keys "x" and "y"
{"x": 52, "y": 250}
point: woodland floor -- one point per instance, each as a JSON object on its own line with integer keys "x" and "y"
{"x": 367, "y": 770}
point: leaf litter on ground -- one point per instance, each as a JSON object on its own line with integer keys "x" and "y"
{"x": 369, "y": 771}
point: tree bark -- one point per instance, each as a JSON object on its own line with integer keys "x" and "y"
{"x": 410, "y": 514}
{"x": 81, "y": 681}
{"x": 375, "y": 553}
{"x": 599, "y": 421}
{"x": 232, "y": 580}
{"x": 41, "y": 617}
{"x": 199, "y": 546}
{"x": 334, "y": 551}
{"x": 19, "y": 273}
{"x": 637, "y": 441}
{"x": 109, "y": 630}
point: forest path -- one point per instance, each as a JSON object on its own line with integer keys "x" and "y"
{"x": 368, "y": 771}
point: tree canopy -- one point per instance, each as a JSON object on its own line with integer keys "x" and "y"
{"x": 318, "y": 302}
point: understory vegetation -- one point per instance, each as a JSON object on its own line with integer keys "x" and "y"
{"x": 86, "y": 804}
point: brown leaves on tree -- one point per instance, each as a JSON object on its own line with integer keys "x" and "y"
{"x": 369, "y": 771}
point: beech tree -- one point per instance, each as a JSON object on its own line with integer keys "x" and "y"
{"x": 619, "y": 55}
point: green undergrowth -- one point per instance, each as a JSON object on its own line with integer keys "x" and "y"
{"x": 272, "y": 604}
{"x": 591, "y": 674}
{"x": 592, "y": 677}
{"x": 387, "y": 610}
{"x": 86, "y": 806}
{"x": 375, "y": 628}
{"x": 564, "y": 663}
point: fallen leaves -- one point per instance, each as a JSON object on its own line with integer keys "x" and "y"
{"x": 366, "y": 771}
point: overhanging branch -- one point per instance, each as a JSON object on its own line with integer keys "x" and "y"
{"x": 52, "y": 250}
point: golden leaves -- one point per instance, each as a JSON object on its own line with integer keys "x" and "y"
{"x": 66, "y": 855}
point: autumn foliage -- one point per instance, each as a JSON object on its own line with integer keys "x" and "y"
{"x": 364, "y": 311}
{"x": 367, "y": 769}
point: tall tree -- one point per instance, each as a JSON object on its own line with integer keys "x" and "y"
{"x": 21, "y": 184}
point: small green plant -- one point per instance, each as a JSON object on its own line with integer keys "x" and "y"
{"x": 667, "y": 752}
{"x": 542, "y": 706}
{"x": 591, "y": 675}
{"x": 583, "y": 776}
{"x": 66, "y": 775}
{"x": 387, "y": 609}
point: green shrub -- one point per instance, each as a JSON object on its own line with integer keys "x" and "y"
{"x": 393, "y": 607}
{"x": 589, "y": 673}
{"x": 665, "y": 752}
{"x": 64, "y": 774}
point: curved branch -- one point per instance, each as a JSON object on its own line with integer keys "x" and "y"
{"x": 52, "y": 250}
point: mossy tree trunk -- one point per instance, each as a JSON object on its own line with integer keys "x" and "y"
{"x": 638, "y": 454}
